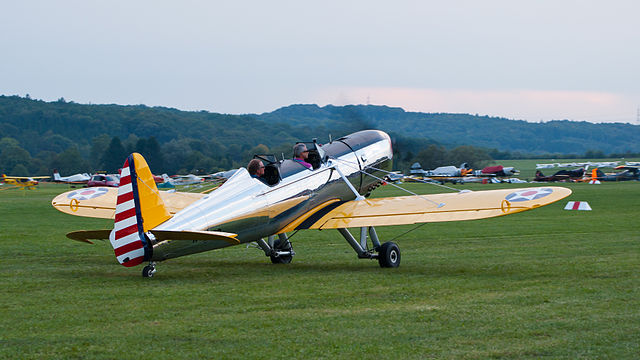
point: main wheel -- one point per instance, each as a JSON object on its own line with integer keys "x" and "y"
{"x": 389, "y": 255}
{"x": 281, "y": 259}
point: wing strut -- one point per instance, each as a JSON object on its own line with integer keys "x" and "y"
{"x": 348, "y": 163}
{"x": 358, "y": 196}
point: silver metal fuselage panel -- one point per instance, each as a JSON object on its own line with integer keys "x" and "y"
{"x": 253, "y": 210}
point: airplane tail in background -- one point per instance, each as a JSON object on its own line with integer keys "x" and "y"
{"x": 56, "y": 175}
{"x": 166, "y": 179}
{"x": 139, "y": 209}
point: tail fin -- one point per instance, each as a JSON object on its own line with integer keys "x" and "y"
{"x": 139, "y": 208}
{"x": 56, "y": 175}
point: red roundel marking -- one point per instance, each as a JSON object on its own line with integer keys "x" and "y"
{"x": 87, "y": 194}
{"x": 528, "y": 194}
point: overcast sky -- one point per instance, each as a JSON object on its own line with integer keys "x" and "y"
{"x": 530, "y": 60}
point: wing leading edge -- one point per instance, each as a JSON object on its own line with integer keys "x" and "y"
{"x": 461, "y": 206}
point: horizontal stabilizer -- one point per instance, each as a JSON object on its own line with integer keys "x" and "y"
{"x": 85, "y": 235}
{"x": 162, "y": 235}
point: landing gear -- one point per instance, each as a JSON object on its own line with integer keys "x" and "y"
{"x": 388, "y": 254}
{"x": 280, "y": 250}
{"x": 149, "y": 270}
{"x": 283, "y": 252}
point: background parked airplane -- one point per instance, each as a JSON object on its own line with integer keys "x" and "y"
{"x": 183, "y": 179}
{"x": 71, "y": 179}
{"x": 21, "y": 181}
{"x": 498, "y": 170}
{"x": 629, "y": 173}
{"x": 562, "y": 175}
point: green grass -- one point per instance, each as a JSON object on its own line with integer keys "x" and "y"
{"x": 547, "y": 283}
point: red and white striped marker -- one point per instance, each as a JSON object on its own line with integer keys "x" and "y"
{"x": 577, "y": 205}
{"x": 125, "y": 237}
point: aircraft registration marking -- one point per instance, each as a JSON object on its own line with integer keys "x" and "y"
{"x": 505, "y": 206}
{"x": 528, "y": 194}
{"x": 73, "y": 204}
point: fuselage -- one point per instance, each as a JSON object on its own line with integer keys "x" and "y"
{"x": 254, "y": 209}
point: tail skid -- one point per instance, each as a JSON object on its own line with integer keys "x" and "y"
{"x": 139, "y": 209}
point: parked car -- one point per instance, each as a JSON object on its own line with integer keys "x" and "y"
{"x": 104, "y": 180}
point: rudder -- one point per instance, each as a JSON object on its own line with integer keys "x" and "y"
{"x": 139, "y": 208}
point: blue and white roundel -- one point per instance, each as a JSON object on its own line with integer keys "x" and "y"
{"x": 89, "y": 193}
{"x": 528, "y": 194}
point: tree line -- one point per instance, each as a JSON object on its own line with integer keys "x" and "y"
{"x": 183, "y": 156}
{"x": 37, "y": 137}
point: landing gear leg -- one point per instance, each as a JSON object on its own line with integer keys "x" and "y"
{"x": 388, "y": 254}
{"x": 279, "y": 250}
{"x": 149, "y": 270}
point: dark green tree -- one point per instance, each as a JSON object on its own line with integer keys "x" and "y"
{"x": 594, "y": 154}
{"x": 19, "y": 170}
{"x": 259, "y": 149}
{"x": 475, "y": 157}
{"x": 11, "y": 156}
{"x": 141, "y": 147}
{"x": 114, "y": 156}
{"x": 70, "y": 161}
{"x": 6, "y": 142}
{"x": 152, "y": 152}
{"x": 98, "y": 145}
{"x": 175, "y": 156}
{"x": 432, "y": 157}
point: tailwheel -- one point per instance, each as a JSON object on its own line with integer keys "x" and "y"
{"x": 149, "y": 270}
{"x": 282, "y": 252}
{"x": 389, "y": 255}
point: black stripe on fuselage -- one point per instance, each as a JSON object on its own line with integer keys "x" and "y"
{"x": 318, "y": 214}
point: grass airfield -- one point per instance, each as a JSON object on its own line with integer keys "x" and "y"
{"x": 547, "y": 283}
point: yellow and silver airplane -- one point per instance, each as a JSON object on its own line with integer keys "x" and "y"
{"x": 29, "y": 183}
{"x": 152, "y": 226}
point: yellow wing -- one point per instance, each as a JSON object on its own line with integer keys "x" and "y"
{"x": 100, "y": 202}
{"x": 24, "y": 177}
{"x": 428, "y": 208}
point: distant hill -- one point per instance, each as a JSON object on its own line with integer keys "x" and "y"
{"x": 41, "y": 135}
{"x": 565, "y": 137}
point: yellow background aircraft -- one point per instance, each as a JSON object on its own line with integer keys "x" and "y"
{"x": 21, "y": 181}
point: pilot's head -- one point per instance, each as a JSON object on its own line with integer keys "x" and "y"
{"x": 256, "y": 167}
{"x": 300, "y": 151}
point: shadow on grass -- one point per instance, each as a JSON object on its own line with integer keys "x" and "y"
{"x": 203, "y": 270}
